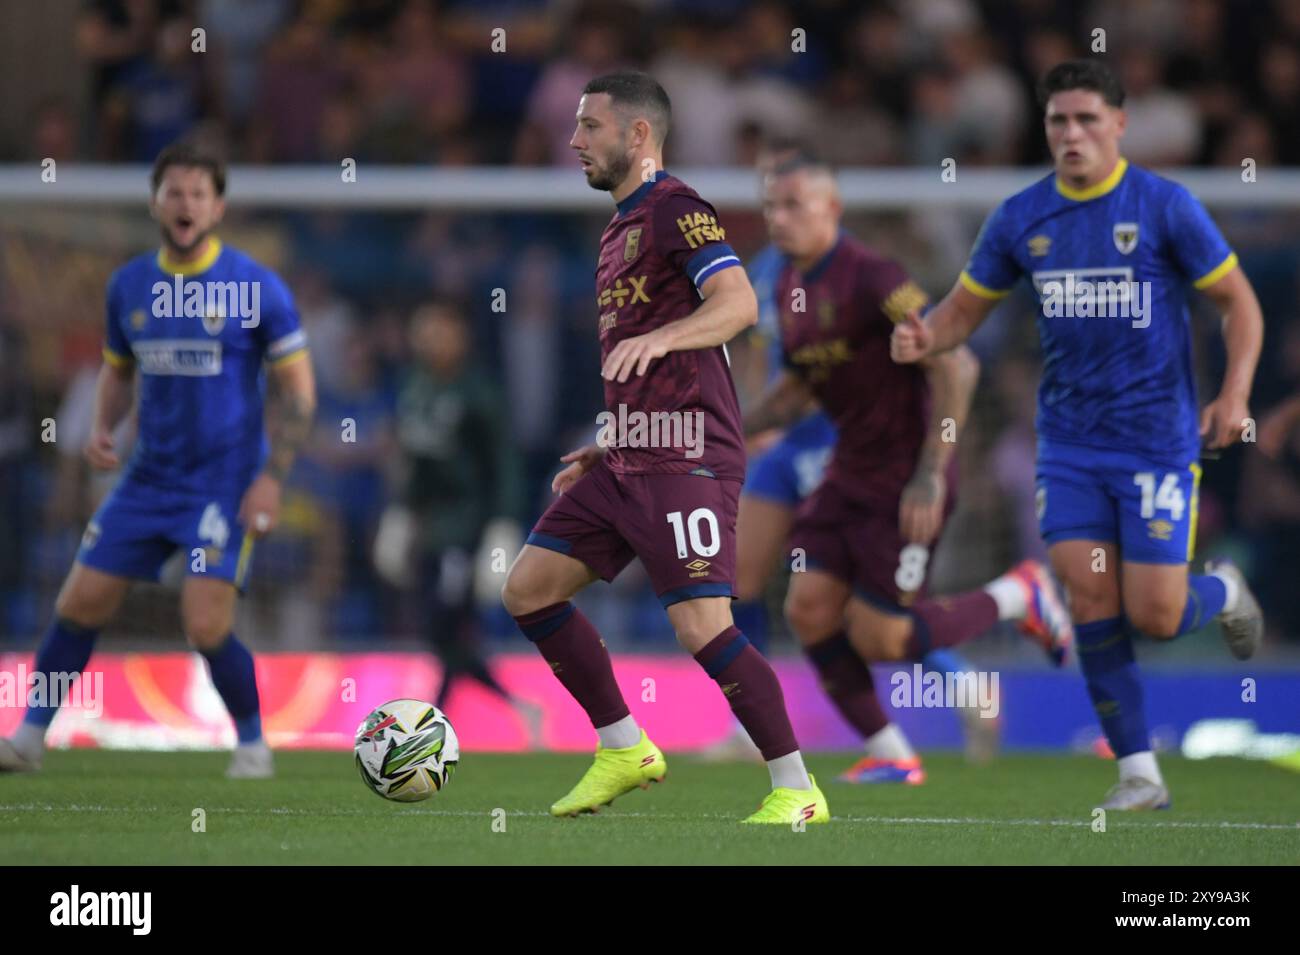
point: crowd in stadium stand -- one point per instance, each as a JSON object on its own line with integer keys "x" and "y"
{"x": 1209, "y": 82}
{"x": 468, "y": 81}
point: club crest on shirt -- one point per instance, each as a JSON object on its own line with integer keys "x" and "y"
{"x": 214, "y": 320}
{"x": 91, "y": 537}
{"x": 826, "y": 313}
{"x": 1126, "y": 236}
{"x": 632, "y": 244}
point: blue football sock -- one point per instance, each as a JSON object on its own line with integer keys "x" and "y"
{"x": 1206, "y": 596}
{"x": 66, "y": 648}
{"x": 235, "y": 678}
{"x": 1110, "y": 670}
{"x": 750, "y": 617}
{"x": 946, "y": 660}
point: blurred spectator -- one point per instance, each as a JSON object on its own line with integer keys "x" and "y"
{"x": 452, "y": 428}
{"x": 532, "y": 345}
{"x": 928, "y": 22}
{"x": 1249, "y": 137}
{"x": 935, "y": 131}
{"x": 157, "y": 99}
{"x": 299, "y": 76}
{"x": 1270, "y": 499}
{"x": 704, "y": 103}
{"x": 238, "y": 34}
{"x": 54, "y": 132}
{"x": 113, "y": 36}
{"x": 15, "y": 446}
{"x": 856, "y": 131}
{"x": 762, "y": 77}
{"x": 456, "y": 81}
{"x": 594, "y": 45}
{"x": 461, "y": 474}
{"x": 1137, "y": 24}
{"x": 1279, "y": 80}
{"x": 988, "y": 100}
{"x": 327, "y": 319}
{"x": 430, "y": 81}
{"x": 1163, "y": 128}
{"x": 876, "y": 46}
{"x": 344, "y": 467}
{"x": 768, "y": 30}
{"x": 506, "y": 46}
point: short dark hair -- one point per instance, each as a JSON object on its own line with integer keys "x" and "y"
{"x": 1085, "y": 74}
{"x": 803, "y": 159}
{"x": 187, "y": 153}
{"x": 636, "y": 92}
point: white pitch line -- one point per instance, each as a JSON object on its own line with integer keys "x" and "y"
{"x": 414, "y": 813}
{"x": 1133, "y": 824}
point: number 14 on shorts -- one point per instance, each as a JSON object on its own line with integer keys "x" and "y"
{"x": 1168, "y": 497}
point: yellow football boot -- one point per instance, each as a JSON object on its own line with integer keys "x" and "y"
{"x": 615, "y": 772}
{"x": 781, "y": 807}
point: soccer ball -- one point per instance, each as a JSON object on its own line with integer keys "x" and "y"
{"x": 406, "y": 750}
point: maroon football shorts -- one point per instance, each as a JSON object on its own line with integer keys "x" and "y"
{"x": 682, "y": 526}
{"x": 860, "y": 543}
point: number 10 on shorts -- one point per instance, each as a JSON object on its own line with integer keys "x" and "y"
{"x": 691, "y": 526}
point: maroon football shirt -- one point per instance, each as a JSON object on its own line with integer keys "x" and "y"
{"x": 682, "y": 414}
{"x": 835, "y": 325}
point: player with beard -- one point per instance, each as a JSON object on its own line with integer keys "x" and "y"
{"x": 670, "y": 293}
{"x": 202, "y": 478}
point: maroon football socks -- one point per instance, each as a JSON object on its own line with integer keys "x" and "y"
{"x": 750, "y": 685}
{"x": 947, "y": 621}
{"x": 847, "y": 680}
{"x": 578, "y": 658}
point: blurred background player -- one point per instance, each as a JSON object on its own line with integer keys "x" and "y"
{"x": 460, "y": 473}
{"x": 866, "y": 531}
{"x": 1118, "y": 436}
{"x": 777, "y": 477}
{"x": 777, "y": 480}
{"x": 202, "y": 478}
{"x": 670, "y": 295}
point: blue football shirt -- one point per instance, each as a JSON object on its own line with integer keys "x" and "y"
{"x": 1110, "y": 266}
{"x": 200, "y": 334}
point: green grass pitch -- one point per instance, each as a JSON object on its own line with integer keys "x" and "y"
{"x": 96, "y": 807}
